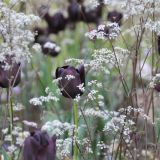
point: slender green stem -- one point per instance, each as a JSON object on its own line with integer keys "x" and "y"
{"x": 75, "y": 114}
{"x": 10, "y": 108}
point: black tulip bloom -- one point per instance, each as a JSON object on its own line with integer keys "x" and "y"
{"x": 39, "y": 146}
{"x": 50, "y": 48}
{"x": 56, "y": 23}
{"x": 74, "y": 12}
{"x": 93, "y": 15}
{"x": 115, "y": 16}
{"x": 70, "y": 79}
{"x": 9, "y": 77}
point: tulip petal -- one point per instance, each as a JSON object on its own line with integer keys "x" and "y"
{"x": 81, "y": 71}
{"x": 59, "y": 71}
{"x": 39, "y": 146}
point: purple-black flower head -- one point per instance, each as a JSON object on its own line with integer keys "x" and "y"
{"x": 50, "y": 48}
{"x": 56, "y": 23}
{"x": 70, "y": 79}
{"x": 9, "y": 77}
{"x": 115, "y": 16}
{"x": 92, "y": 16}
{"x": 39, "y": 146}
{"x": 74, "y": 12}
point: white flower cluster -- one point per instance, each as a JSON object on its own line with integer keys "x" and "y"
{"x": 16, "y": 34}
{"x": 155, "y": 81}
{"x": 91, "y": 4}
{"x": 85, "y": 143}
{"x": 153, "y": 26}
{"x": 18, "y": 107}
{"x": 81, "y": 87}
{"x": 90, "y": 112}
{"x": 19, "y": 137}
{"x": 57, "y": 128}
{"x": 120, "y": 125}
{"x": 93, "y": 87}
{"x": 101, "y": 145}
{"x": 74, "y": 61}
{"x": 104, "y": 32}
{"x": 69, "y": 77}
{"x": 101, "y": 58}
{"x": 11, "y": 149}
{"x": 39, "y": 101}
{"x": 104, "y": 57}
{"x": 64, "y": 147}
{"x": 52, "y": 45}
{"x": 135, "y": 7}
{"x": 30, "y": 124}
{"x": 139, "y": 111}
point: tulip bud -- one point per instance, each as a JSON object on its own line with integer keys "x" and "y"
{"x": 39, "y": 146}
{"x": 115, "y": 16}
{"x": 70, "y": 79}
{"x": 9, "y": 77}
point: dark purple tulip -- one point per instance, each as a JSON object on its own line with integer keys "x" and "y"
{"x": 11, "y": 77}
{"x": 39, "y": 146}
{"x": 115, "y": 16}
{"x": 50, "y": 48}
{"x": 74, "y": 12}
{"x": 56, "y": 23}
{"x": 159, "y": 44}
{"x": 92, "y": 16}
{"x": 69, "y": 87}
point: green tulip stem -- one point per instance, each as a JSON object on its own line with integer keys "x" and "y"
{"x": 75, "y": 114}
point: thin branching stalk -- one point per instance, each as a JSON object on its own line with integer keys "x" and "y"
{"x": 75, "y": 116}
